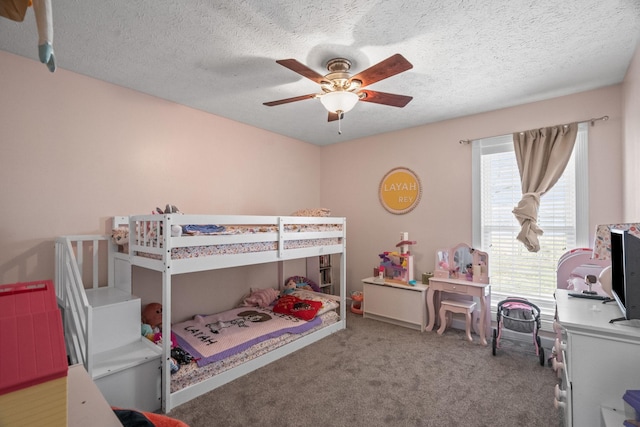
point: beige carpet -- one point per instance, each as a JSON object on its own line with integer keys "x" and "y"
{"x": 377, "y": 374}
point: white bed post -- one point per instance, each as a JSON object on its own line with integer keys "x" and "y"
{"x": 343, "y": 273}
{"x": 280, "y": 274}
{"x": 281, "y": 224}
{"x": 166, "y": 317}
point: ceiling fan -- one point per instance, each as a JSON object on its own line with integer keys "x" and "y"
{"x": 341, "y": 91}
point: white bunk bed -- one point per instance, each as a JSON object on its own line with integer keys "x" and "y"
{"x": 243, "y": 240}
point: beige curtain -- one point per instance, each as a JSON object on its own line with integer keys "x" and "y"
{"x": 542, "y": 156}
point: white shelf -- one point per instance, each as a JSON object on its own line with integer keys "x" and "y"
{"x": 320, "y": 271}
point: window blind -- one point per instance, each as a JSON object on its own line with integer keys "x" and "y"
{"x": 513, "y": 270}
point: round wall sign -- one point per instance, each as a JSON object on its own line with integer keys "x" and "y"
{"x": 400, "y": 190}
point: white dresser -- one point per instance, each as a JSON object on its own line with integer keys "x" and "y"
{"x": 599, "y": 360}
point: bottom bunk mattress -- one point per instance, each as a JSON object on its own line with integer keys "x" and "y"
{"x": 241, "y": 345}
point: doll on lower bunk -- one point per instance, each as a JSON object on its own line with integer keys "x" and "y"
{"x": 151, "y": 317}
{"x": 288, "y": 288}
{"x": 152, "y": 329}
{"x": 299, "y": 283}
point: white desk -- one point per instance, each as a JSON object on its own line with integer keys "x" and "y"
{"x": 600, "y": 359}
{"x": 482, "y": 291}
{"x": 395, "y": 303}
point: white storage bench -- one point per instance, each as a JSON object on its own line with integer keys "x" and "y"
{"x": 403, "y": 305}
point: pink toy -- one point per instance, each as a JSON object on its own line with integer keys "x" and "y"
{"x": 157, "y": 339}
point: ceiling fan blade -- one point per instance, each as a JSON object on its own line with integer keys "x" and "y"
{"x": 334, "y": 116}
{"x": 391, "y": 66}
{"x": 302, "y": 69}
{"x": 288, "y": 100}
{"x": 385, "y": 98}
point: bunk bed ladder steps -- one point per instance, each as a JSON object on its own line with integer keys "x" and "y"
{"x": 102, "y": 326}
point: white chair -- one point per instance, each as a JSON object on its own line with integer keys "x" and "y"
{"x": 448, "y": 307}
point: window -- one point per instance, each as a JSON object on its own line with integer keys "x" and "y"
{"x": 514, "y": 271}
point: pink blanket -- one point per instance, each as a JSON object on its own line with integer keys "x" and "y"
{"x": 214, "y": 337}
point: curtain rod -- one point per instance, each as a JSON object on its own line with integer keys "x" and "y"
{"x": 592, "y": 121}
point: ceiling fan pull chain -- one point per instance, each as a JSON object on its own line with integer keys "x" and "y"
{"x": 339, "y": 121}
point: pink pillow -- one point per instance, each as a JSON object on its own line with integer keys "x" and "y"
{"x": 261, "y": 297}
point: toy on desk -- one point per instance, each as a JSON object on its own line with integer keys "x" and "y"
{"x": 395, "y": 266}
{"x": 590, "y": 280}
{"x": 462, "y": 262}
{"x": 405, "y": 243}
{"x": 469, "y": 272}
{"x": 398, "y": 266}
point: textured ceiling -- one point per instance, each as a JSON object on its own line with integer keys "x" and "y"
{"x": 219, "y": 56}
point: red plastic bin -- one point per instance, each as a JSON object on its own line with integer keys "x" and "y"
{"x": 31, "y": 336}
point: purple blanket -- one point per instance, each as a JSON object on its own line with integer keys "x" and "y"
{"x": 217, "y": 336}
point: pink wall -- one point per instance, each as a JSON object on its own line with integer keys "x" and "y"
{"x": 443, "y": 218}
{"x": 76, "y": 151}
{"x": 631, "y": 119}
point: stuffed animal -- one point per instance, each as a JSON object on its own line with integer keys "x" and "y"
{"x": 288, "y": 288}
{"x": 152, "y": 323}
{"x": 16, "y": 10}
{"x": 260, "y": 298}
{"x": 176, "y": 230}
{"x": 120, "y": 236}
{"x": 152, "y": 316}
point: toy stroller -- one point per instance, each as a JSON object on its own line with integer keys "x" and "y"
{"x": 519, "y": 315}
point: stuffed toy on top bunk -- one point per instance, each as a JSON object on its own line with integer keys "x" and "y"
{"x": 120, "y": 236}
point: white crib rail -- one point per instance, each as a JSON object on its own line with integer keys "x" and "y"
{"x": 70, "y": 291}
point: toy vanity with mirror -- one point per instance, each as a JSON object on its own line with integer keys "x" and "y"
{"x": 462, "y": 262}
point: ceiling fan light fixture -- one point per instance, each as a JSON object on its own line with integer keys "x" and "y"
{"x": 339, "y": 101}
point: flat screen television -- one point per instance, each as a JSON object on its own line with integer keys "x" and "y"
{"x": 625, "y": 272}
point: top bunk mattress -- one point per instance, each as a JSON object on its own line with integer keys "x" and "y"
{"x": 198, "y": 236}
{"x": 198, "y": 251}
